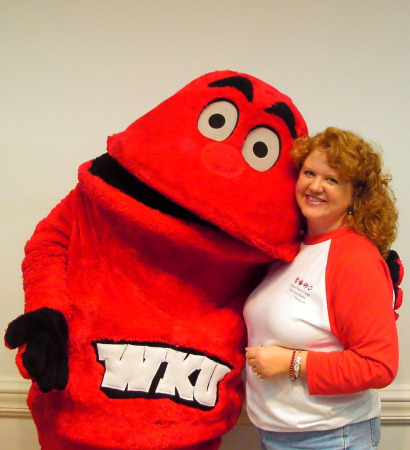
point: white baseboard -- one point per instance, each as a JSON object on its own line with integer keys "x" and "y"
{"x": 13, "y": 394}
{"x": 395, "y": 405}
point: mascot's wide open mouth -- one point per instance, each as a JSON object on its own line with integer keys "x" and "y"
{"x": 109, "y": 170}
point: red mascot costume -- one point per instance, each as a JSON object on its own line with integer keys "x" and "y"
{"x": 133, "y": 333}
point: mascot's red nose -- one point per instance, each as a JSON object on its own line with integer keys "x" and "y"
{"x": 222, "y": 159}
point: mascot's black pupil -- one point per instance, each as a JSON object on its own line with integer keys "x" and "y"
{"x": 260, "y": 149}
{"x": 217, "y": 121}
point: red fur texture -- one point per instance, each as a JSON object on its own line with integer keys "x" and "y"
{"x": 131, "y": 278}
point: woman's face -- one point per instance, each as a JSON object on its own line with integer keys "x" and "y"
{"x": 323, "y": 195}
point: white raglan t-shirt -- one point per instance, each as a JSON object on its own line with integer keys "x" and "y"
{"x": 320, "y": 302}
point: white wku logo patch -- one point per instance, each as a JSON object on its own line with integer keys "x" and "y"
{"x": 151, "y": 371}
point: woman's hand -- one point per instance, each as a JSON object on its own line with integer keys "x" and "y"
{"x": 269, "y": 360}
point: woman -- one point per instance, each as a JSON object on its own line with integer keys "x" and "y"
{"x": 322, "y": 333}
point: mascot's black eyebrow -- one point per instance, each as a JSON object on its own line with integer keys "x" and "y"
{"x": 283, "y": 111}
{"x": 242, "y": 84}
{"x": 245, "y": 86}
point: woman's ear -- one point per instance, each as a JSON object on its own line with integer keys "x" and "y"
{"x": 357, "y": 191}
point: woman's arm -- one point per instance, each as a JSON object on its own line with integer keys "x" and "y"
{"x": 361, "y": 315}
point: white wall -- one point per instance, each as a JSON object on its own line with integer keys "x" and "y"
{"x": 74, "y": 72}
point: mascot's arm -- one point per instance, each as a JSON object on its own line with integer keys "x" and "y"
{"x": 41, "y": 333}
{"x": 396, "y": 272}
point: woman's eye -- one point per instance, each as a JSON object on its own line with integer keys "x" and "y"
{"x": 218, "y": 120}
{"x": 333, "y": 180}
{"x": 261, "y": 148}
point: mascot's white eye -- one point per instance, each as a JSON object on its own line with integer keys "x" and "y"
{"x": 261, "y": 148}
{"x": 218, "y": 120}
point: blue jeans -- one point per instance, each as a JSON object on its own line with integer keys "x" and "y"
{"x": 356, "y": 436}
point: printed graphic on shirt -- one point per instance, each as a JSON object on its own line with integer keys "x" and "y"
{"x": 300, "y": 290}
{"x": 135, "y": 370}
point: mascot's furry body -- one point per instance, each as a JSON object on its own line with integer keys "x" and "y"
{"x": 149, "y": 259}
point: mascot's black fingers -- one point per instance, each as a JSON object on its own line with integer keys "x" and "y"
{"x": 35, "y": 356}
{"x": 47, "y": 379}
{"x": 42, "y": 360}
{"x": 62, "y": 375}
{"x": 46, "y": 360}
{"x": 56, "y": 364}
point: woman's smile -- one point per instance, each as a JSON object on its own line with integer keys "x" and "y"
{"x": 314, "y": 200}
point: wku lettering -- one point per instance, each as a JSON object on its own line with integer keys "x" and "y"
{"x": 150, "y": 371}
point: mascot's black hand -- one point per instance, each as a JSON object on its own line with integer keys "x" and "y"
{"x": 396, "y": 273}
{"x": 45, "y": 333}
{"x": 395, "y": 266}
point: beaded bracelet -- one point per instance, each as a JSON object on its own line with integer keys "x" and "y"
{"x": 294, "y": 365}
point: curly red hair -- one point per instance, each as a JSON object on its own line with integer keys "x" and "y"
{"x": 374, "y": 214}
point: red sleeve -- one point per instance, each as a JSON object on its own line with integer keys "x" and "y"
{"x": 45, "y": 263}
{"x": 359, "y": 295}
